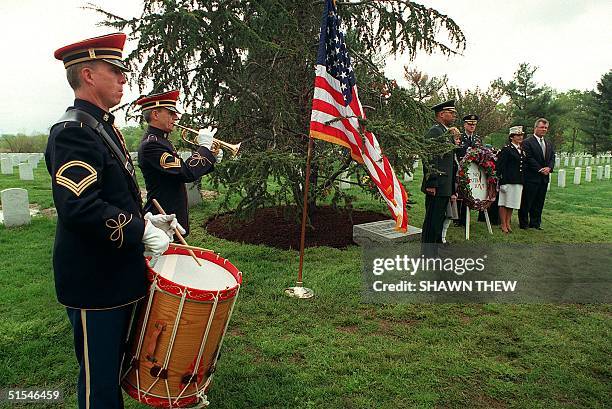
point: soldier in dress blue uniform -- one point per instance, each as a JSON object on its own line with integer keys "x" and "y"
{"x": 438, "y": 180}
{"x": 165, "y": 173}
{"x": 101, "y": 232}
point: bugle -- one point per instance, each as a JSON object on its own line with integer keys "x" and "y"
{"x": 216, "y": 144}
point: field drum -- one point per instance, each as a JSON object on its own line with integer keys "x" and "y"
{"x": 180, "y": 329}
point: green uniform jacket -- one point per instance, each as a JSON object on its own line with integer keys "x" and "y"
{"x": 443, "y": 177}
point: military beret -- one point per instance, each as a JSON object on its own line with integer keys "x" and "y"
{"x": 162, "y": 100}
{"x": 108, "y": 48}
{"x": 444, "y": 106}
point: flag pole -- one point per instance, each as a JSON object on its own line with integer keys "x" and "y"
{"x": 299, "y": 291}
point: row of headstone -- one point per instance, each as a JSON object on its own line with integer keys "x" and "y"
{"x": 26, "y": 169}
{"x": 15, "y": 207}
{"x": 603, "y": 172}
{"x": 563, "y": 160}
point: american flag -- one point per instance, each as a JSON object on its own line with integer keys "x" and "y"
{"x": 336, "y": 111}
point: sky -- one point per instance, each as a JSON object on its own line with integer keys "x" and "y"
{"x": 569, "y": 40}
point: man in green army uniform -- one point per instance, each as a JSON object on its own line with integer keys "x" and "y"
{"x": 438, "y": 180}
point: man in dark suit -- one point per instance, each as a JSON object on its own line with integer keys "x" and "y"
{"x": 438, "y": 180}
{"x": 540, "y": 162}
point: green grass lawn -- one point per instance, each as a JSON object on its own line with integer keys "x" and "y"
{"x": 335, "y": 351}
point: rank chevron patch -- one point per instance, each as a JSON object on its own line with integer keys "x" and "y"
{"x": 76, "y": 187}
{"x": 173, "y": 163}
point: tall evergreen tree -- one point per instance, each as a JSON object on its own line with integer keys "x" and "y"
{"x": 247, "y": 68}
{"x": 601, "y": 110}
{"x": 528, "y": 101}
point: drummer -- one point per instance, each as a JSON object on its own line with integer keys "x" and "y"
{"x": 165, "y": 173}
{"x": 101, "y": 232}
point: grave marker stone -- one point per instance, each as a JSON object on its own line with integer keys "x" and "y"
{"x": 577, "y": 175}
{"x": 15, "y": 207}
{"x": 25, "y": 171}
{"x": 561, "y": 178}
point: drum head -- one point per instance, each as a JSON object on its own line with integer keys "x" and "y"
{"x": 183, "y": 270}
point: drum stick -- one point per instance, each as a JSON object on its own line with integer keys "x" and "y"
{"x": 178, "y": 233}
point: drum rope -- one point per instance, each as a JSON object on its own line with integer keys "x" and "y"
{"x": 229, "y": 317}
{"x": 202, "y": 345}
{"x": 174, "y": 330}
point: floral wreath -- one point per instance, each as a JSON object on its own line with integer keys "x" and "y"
{"x": 485, "y": 159}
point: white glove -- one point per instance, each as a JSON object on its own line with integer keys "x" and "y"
{"x": 205, "y": 137}
{"x": 219, "y": 155}
{"x": 155, "y": 240}
{"x": 166, "y": 222}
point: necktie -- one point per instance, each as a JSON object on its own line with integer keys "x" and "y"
{"x": 543, "y": 146}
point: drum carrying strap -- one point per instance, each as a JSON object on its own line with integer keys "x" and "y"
{"x": 76, "y": 115}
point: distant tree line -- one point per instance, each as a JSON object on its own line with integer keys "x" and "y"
{"x": 580, "y": 121}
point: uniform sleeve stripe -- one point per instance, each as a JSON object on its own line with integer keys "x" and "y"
{"x": 76, "y": 187}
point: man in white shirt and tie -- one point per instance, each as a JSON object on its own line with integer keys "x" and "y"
{"x": 540, "y": 161}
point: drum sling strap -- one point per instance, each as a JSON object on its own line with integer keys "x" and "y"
{"x": 76, "y": 115}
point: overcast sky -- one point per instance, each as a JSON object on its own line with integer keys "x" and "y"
{"x": 570, "y": 40}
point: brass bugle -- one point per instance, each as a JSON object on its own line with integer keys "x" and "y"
{"x": 217, "y": 143}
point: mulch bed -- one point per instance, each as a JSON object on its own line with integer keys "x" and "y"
{"x": 330, "y": 227}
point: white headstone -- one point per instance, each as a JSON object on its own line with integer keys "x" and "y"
{"x": 557, "y": 162}
{"x": 566, "y": 162}
{"x": 416, "y": 164}
{"x": 580, "y": 161}
{"x": 577, "y": 175}
{"x": 7, "y": 166}
{"x": 599, "y": 172}
{"x": 15, "y": 207}
{"x": 607, "y": 172}
{"x": 194, "y": 197}
{"x": 588, "y": 174}
{"x": 343, "y": 177}
{"x": 548, "y": 186}
{"x": 561, "y": 178}
{"x": 408, "y": 177}
{"x": 33, "y": 161}
{"x": 573, "y": 161}
{"x": 25, "y": 171}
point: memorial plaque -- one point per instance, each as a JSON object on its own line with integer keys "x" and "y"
{"x": 383, "y": 232}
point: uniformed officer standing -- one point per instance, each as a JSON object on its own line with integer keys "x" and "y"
{"x": 438, "y": 181}
{"x": 165, "y": 173}
{"x": 469, "y": 139}
{"x": 101, "y": 232}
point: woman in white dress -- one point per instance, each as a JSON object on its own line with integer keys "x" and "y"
{"x": 510, "y": 173}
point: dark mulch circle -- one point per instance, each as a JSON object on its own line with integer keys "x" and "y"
{"x": 331, "y": 227}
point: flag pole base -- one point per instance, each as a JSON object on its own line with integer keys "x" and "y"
{"x": 299, "y": 291}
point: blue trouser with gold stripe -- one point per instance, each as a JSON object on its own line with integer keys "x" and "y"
{"x": 99, "y": 344}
